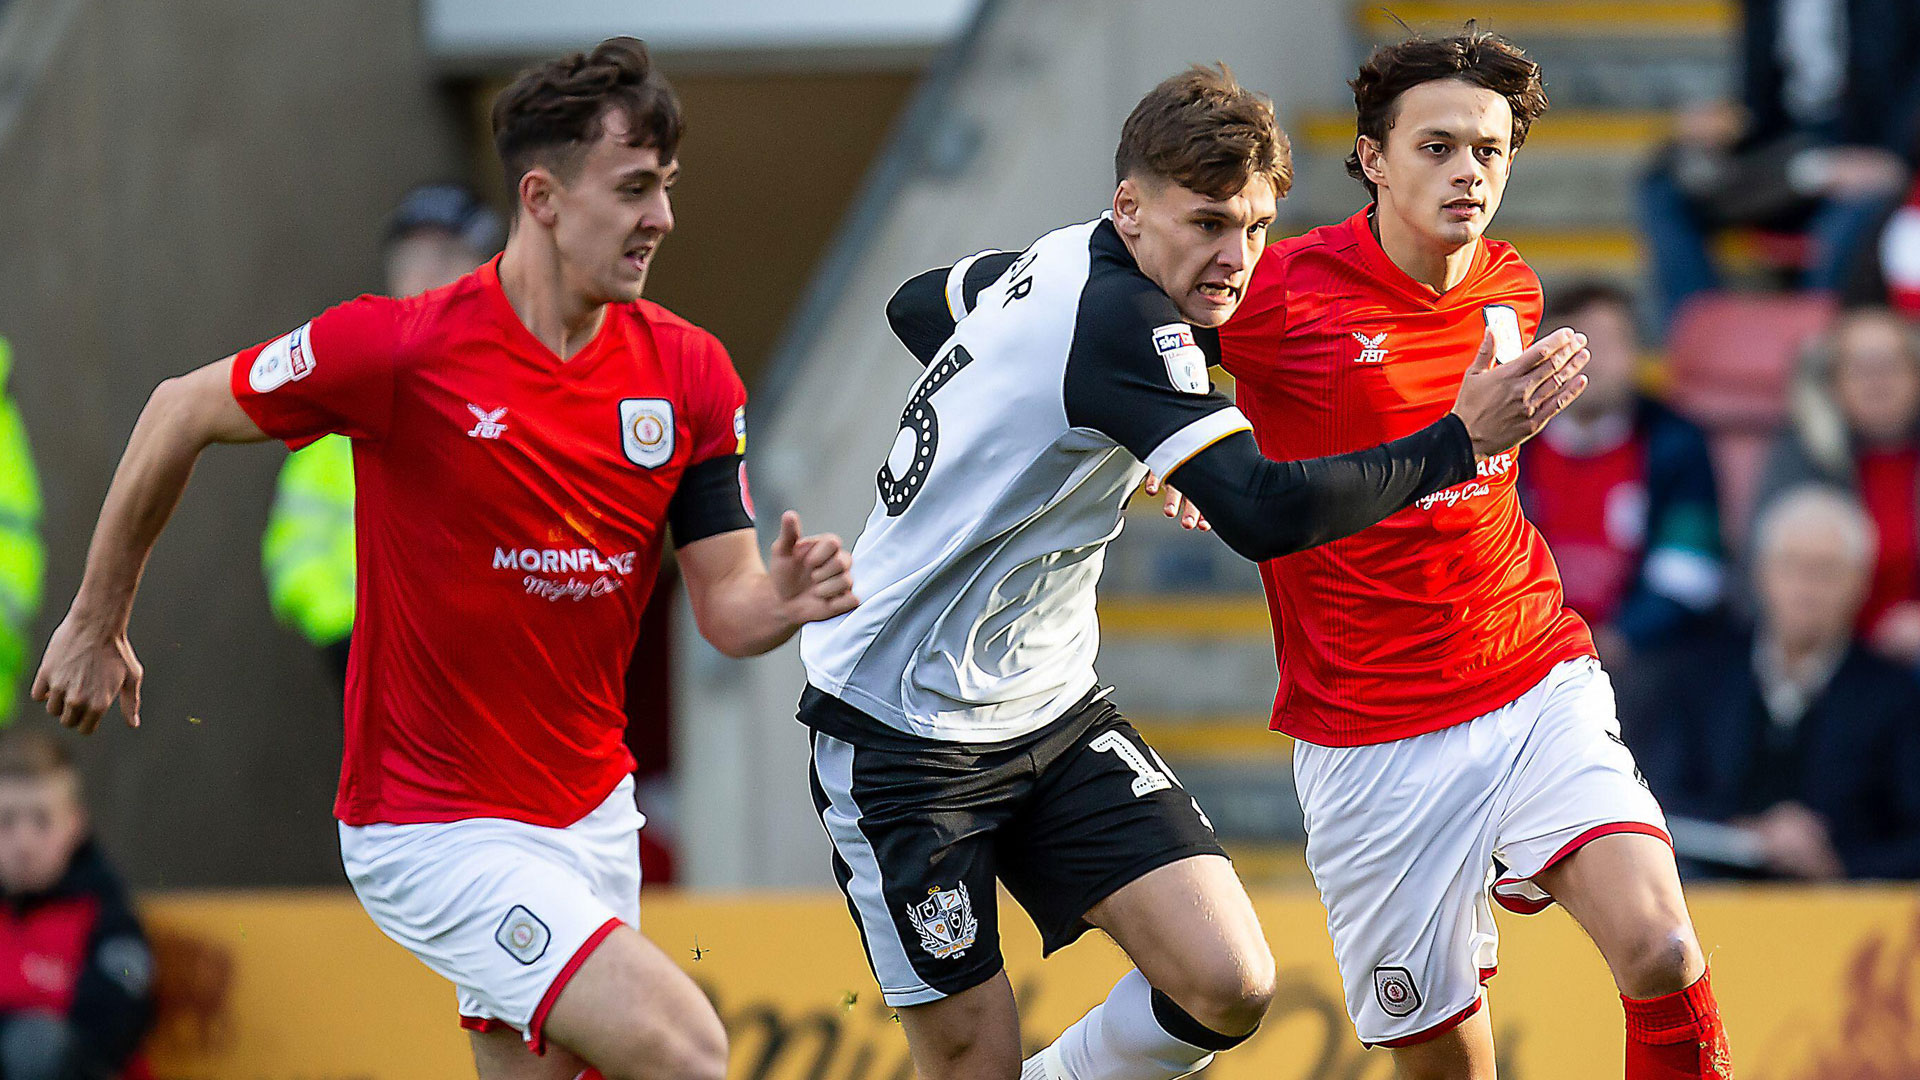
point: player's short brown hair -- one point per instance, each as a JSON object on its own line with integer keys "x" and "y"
{"x": 1204, "y": 131}
{"x": 33, "y": 754}
{"x": 551, "y": 114}
{"x": 1472, "y": 56}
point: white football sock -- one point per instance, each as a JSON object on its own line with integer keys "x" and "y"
{"x": 1120, "y": 1039}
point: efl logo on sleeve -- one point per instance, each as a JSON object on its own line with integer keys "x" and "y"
{"x": 740, "y": 430}
{"x": 1186, "y": 364}
{"x": 646, "y": 431}
{"x": 284, "y": 360}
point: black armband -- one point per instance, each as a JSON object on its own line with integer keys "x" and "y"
{"x": 711, "y": 499}
{"x": 1264, "y": 509}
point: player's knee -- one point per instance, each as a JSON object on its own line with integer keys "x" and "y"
{"x": 1662, "y": 960}
{"x": 1232, "y": 996}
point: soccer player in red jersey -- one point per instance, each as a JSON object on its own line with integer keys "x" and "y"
{"x": 1455, "y": 734}
{"x": 522, "y": 440}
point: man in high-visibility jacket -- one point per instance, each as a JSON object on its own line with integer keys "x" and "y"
{"x": 22, "y": 558}
{"x": 437, "y": 234}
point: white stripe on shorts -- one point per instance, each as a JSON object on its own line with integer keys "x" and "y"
{"x": 833, "y": 764}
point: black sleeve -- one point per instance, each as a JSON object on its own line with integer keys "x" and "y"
{"x": 112, "y": 999}
{"x": 924, "y": 311}
{"x": 711, "y": 499}
{"x": 1264, "y": 509}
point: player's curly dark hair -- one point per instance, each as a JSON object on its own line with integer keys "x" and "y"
{"x": 1472, "y": 56}
{"x": 1203, "y": 131}
{"x": 551, "y": 114}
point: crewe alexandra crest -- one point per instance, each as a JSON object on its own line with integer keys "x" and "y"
{"x": 945, "y": 921}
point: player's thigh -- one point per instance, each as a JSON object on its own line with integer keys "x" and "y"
{"x": 913, "y": 852}
{"x": 1191, "y": 930}
{"x": 1104, "y": 813}
{"x": 630, "y": 1011}
{"x": 971, "y": 1035}
{"x": 501, "y": 1054}
{"x": 1624, "y": 890}
{"x": 1400, "y": 841}
{"x": 1461, "y": 1053}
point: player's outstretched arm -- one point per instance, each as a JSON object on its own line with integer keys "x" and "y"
{"x": 1264, "y": 509}
{"x": 89, "y": 662}
{"x": 744, "y": 607}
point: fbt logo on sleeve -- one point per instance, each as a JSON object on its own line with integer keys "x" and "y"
{"x": 1186, "y": 363}
{"x": 284, "y": 360}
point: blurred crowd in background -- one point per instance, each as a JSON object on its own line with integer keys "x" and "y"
{"x": 1734, "y": 504}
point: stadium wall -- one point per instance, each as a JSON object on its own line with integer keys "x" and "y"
{"x": 184, "y": 180}
{"x": 1815, "y": 984}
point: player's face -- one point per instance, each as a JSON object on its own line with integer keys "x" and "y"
{"x": 40, "y": 828}
{"x": 1198, "y": 249}
{"x": 1444, "y": 165}
{"x": 610, "y": 217}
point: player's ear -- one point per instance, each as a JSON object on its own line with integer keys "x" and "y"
{"x": 1126, "y": 208}
{"x": 1371, "y": 155}
{"x": 536, "y": 195}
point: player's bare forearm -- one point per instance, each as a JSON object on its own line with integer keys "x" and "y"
{"x": 183, "y": 416}
{"x": 89, "y": 662}
{"x": 743, "y": 607}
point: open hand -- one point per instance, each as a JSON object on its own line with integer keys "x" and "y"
{"x": 1504, "y": 405}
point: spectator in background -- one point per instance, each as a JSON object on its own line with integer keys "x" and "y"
{"x": 1791, "y": 731}
{"x": 1623, "y": 490}
{"x": 75, "y": 972}
{"x": 436, "y": 235}
{"x": 22, "y": 559}
{"x": 1821, "y": 142}
{"x": 1886, "y": 271}
{"x": 1856, "y": 425}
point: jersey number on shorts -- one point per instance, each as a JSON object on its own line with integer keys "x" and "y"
{"x": 907, "y": 465}
{"x": 1147, "y": 779}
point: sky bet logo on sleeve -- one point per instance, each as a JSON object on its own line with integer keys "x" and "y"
{"x": 284, "y": 360}
{"x": 1186, "y": 364}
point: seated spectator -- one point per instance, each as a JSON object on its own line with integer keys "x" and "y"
{"x": 1622, "y": 488}
{"x": 75, "y": 973}
{"x": 1821, "y": 143}
{"x": 1856, "y": 425}
{"x": 1790, "y": 731}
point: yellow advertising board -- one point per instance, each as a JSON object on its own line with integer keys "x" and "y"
{"x": 1816, "y": 984}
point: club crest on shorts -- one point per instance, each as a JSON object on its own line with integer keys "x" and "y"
{"x": 945, "y": 921}
{"x": 1394, "y": 987}
{"x": 523, "y": 935}
{"x": 646, "y": 431}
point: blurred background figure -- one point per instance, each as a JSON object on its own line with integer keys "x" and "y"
{"x": 75, "y": 971}
{"x": 1855, "y": 425}
{"x": 436, "y": 235}
{"x": 1622, "y": 487}
{"x": 1821, "y": 142}
{"x": 22, "y": 558}
{"x": 1790, "y": 730}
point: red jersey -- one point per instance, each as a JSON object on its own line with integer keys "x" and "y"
{"x": 1592, "y": 510}
{"x": 509, "y": 515}
{"x": 1888, "y": 491}
{"x": 1448, "y": 609}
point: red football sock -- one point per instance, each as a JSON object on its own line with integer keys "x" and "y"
{"x": 590, "y": 1074}
{"x": 1677, "y": 1036}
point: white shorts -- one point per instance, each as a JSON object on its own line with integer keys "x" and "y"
{"x": 504, "y": 910}
{"x": 1407, "y": 841}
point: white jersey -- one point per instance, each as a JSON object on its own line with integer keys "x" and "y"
{"x": 1067, "y": 374}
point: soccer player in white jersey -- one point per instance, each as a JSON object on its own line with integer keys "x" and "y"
{"x": 959, "y": 734}
{"x": 523, "y": 440}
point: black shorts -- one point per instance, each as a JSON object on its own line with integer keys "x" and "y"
{"x": 1064, "y": 817}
